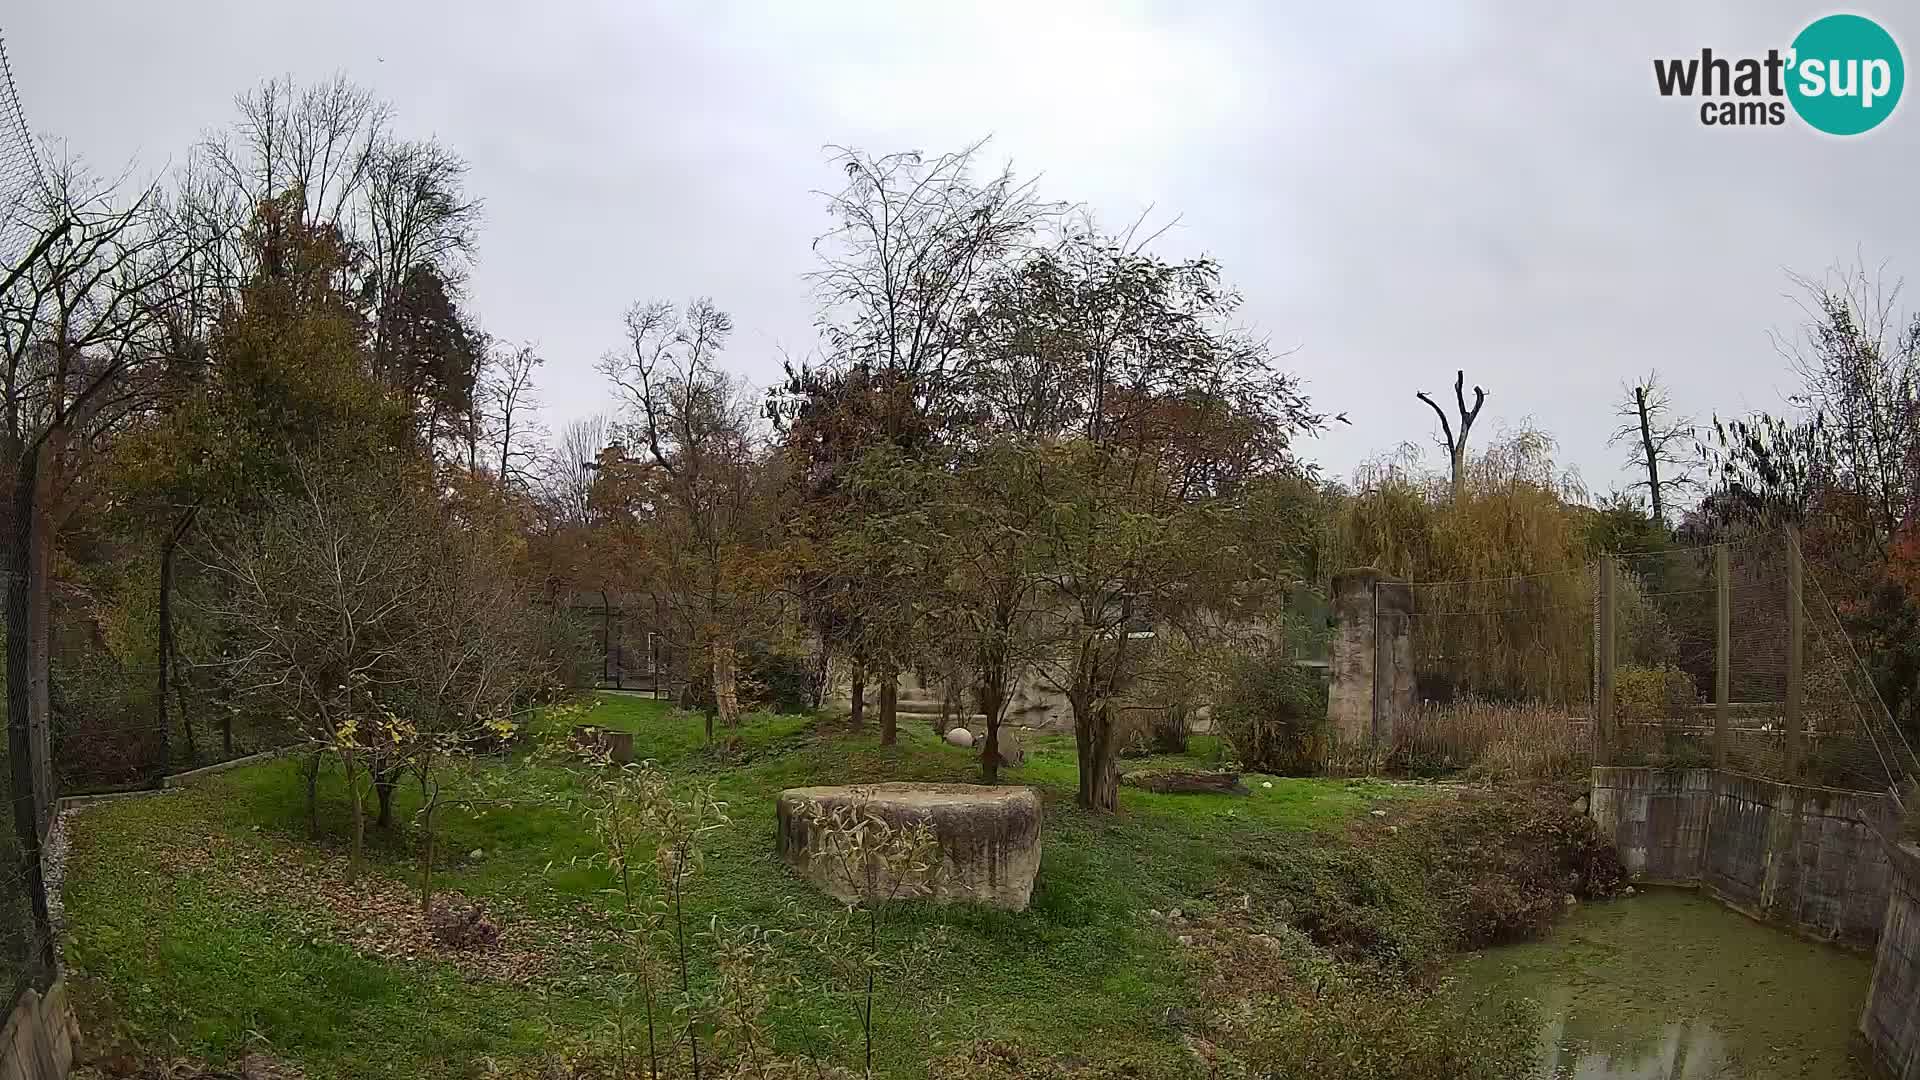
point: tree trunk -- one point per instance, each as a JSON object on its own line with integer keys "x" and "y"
{"x": 1099, "y": 762}
{"x": 426, "y": 852}
{"x": 26, "y": 823}
{"x": 822, "y": 672}
{"x": 990, "y": 750}
{"x": 726, "y": 694}
{"x": 1458, "y": 459}
{"x": 180, "y": 683}
{"x": 889, "y": 704}
{"x": 40, "y": 621}
{"x": 948, "y": 705}
{"x": 164, "y": 649}
{"x": 164, "y": 646}
{"x": 856, "y": 718}
{"x": 383, "y": 785}
{"x": 313, "y": 796}
{"x": 1653, "y": 455}
{"x": 359, "y": 819}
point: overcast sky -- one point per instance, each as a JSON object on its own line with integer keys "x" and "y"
{"x": 1397, "y": 192}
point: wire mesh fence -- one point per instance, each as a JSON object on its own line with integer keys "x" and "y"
{"x": 20, "y": 961}
{"x": 1502, "y": 673}
{"x": 20, "y": 172}
{"x": 1723, "y": 654}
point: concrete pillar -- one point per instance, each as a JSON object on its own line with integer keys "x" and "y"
{"x": 1393, "y": 659}
{"x": 1372, "y": 659}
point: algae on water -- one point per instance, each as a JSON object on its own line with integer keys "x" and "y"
{"x": 1669, "y": 985}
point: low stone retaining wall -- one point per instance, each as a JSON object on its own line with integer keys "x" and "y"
{"x": 37, "y": 1042}
{"x": 1806, "y": 857}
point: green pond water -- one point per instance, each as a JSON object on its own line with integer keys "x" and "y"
{"x": 1667, "y": 985}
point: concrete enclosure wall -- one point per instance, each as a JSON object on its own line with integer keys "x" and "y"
{"x": 1806, "y": 857}
{"x": 1890, "y": 1022}
{"x": 1372, "y": 658}
{"x": 37, "y": 1042}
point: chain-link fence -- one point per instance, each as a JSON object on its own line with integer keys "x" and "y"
{"x": 1724, "y": 654}
{"x": 20, "y": 172}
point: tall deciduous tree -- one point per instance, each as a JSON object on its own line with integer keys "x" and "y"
{"x": 1179, "y": 416}
{"x": 284, "y": 377}
{"x": 914, "y": 239}
{"x": 1845, "y": 466}
{"x": 506, "y": 417}
{"x": 701, "y": 490}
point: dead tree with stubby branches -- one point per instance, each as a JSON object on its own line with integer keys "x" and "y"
{"x": 1658, "y": 440}
{"x": 1457, "y": 445}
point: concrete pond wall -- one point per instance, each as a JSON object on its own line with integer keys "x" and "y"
{"x": 1890, "y": 1022}
{"x": 1821, "y": 861}
{"x": 1806, "y": 857}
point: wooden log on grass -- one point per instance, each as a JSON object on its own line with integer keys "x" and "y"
{"x": 1186, "y": 782}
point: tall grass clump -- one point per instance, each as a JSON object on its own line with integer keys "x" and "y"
{"x": 1492, "y": 740}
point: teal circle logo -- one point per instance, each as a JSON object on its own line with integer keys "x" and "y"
{"x": 1845, "y": 75}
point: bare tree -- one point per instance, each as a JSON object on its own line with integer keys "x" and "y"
{"x": 1660, "y": 441}
{"x": 82, "y": 351}
{"x": 506, "y": 416}
{"x": 1456, "y": 446}
{"x": 324, "y": 600}
{"x": 319, "y": 141}
{"x": 416, "y": 215}
{"x": 914, "y": 240}
{"x": 570, "y": 464}
{"x": 1859, "y": 358}
{"x": 328, "y": 155}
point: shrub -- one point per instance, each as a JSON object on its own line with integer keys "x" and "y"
{"x": 1653, "y": 692}
{"x": 780, "y": 680}
{"x": 1274, "y": 714}
{"x": 1362, "y": 905}
{"x": 1280, "y": 1004}
{"x": 1502, "y": 864}
{"x": 1355, "y": 1026}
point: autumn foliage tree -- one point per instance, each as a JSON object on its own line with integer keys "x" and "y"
{"x": 1138, "y": 475}
{"x": 696, "y": 493}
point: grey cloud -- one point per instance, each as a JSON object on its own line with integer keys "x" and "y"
{"x": 1399, "y": 191}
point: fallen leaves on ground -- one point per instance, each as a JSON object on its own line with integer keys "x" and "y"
{"x": 381, "y": 918}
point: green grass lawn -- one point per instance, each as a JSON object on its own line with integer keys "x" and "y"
{"x": 175, "y": 950}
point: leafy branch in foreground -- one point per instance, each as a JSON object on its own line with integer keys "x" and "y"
{"x": 880, "y": 863}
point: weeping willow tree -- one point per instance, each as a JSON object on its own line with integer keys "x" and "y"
{"x": 1502, "y": 598}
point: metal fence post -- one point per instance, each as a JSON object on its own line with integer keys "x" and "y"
{"x": 1605, "y": 735}
{"x": 1722, "y": 657}
{"x": 1796, "y": 651}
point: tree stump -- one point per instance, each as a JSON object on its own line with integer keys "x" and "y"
{"x": 617, "y": 745}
